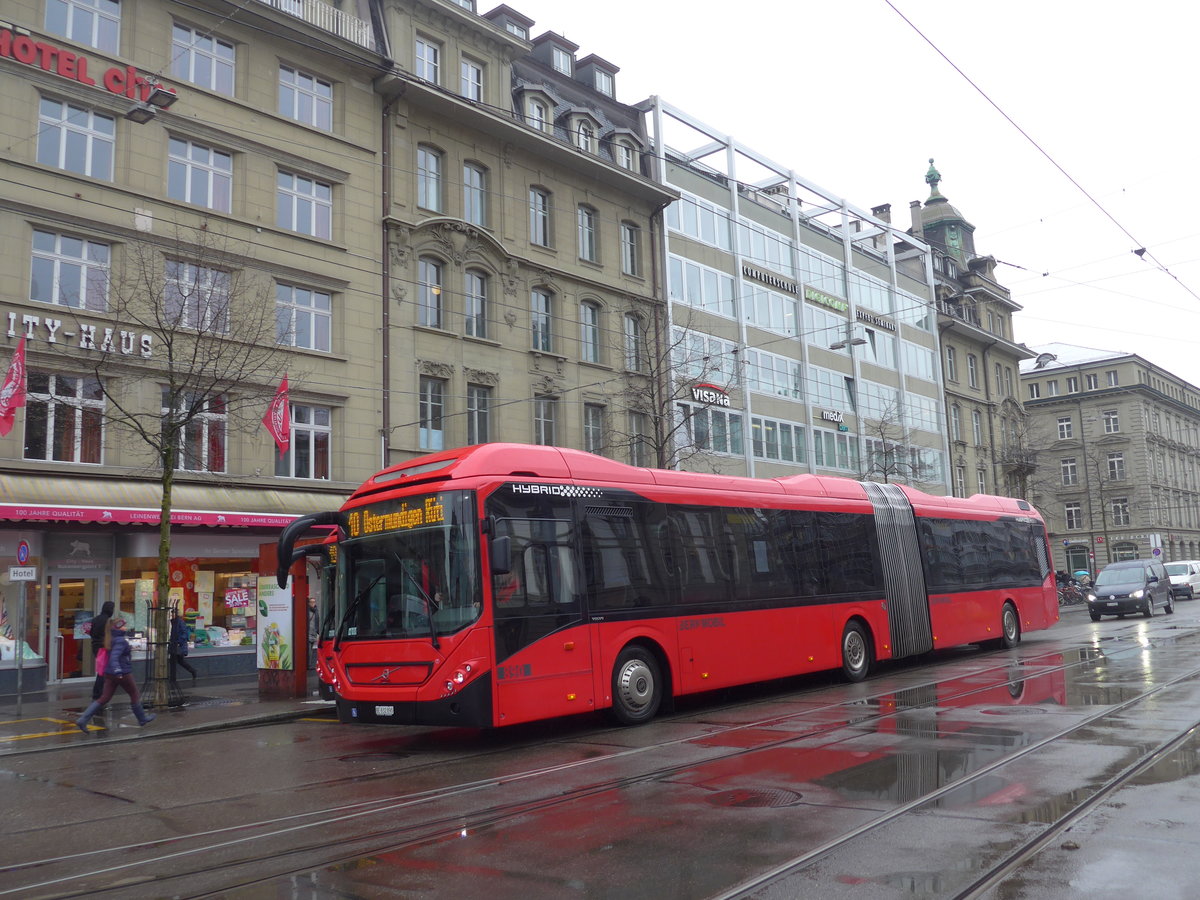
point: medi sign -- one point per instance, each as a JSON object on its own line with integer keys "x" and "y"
{"x": 123, "y": 80}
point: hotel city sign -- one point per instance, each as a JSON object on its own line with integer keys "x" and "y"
{"x": 125, "y": 81}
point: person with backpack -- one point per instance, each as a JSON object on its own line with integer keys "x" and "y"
{"x": 118, "y": 672}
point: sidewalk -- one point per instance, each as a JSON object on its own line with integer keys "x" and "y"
{"x": 210, "y": 705}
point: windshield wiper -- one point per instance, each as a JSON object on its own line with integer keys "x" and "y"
{"x": 353, "y": 606}
{"x": 430, "y": 604}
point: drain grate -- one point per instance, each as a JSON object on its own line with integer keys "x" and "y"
{"x": 757, "y": 798}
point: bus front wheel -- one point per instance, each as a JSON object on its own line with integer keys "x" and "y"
{"x": 636, "y": 686}
{"x": 856, "y": 652}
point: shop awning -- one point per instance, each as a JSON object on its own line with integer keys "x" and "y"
{"x": 39, "y": 498}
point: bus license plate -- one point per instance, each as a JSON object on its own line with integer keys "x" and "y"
{"x": 385, "y": 710}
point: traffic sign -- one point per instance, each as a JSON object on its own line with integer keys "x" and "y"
{"x": 23, "y": 552}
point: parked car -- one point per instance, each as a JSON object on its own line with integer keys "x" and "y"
{"x": 1185, "y": 578}
{"x": 1129, "y": 586}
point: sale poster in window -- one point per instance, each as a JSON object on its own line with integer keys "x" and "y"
{"x": 275, "y": 644}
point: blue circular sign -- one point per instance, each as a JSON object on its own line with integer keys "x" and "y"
{"x": 22, "y": 553}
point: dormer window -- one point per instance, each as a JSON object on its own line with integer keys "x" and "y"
{"x": 537, "y": 114}
{"x": 563, "y": 61}
{"x": 604, "y": 82}
{"x": 626, "y": 155}
{"x": 519, "y": 30}
{"x": 585, "y": 137}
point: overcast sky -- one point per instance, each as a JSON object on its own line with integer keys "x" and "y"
{"x": 852, "y": 98}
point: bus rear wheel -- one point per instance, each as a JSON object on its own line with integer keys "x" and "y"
{"x": 1010, "y": 627}
{"x": 636, "y": 686}
{"x": 856, "y": 652}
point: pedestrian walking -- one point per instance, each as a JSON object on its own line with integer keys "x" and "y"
{"x": 96, "y": 630}
{"x": 177, "y": 648}
{"x": 314, "y": 631}
{"x": 118, "y": 672}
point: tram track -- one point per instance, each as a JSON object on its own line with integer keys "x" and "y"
{"x": 444, "y": 822}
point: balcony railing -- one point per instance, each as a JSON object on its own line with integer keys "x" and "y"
{"x": 329, "y": 18}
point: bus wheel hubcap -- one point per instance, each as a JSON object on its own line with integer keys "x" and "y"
{"x": 635, "y": 684}
{"x": 855, "y": 650}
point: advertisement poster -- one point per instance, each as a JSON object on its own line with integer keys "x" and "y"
{"x": 204, "y": 607}
{"x": 143, "y": 594}
{"x": 205, "y": 581}
{"x": 275, "y": 645}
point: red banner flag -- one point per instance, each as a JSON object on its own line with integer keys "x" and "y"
{"x": 278, "y": 418}
{"x": 12, "y": 392}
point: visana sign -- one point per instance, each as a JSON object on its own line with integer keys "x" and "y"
{"x": 710, "y": 395}
{"x": 91, "y": 337}
{"x": 123, "y": 80}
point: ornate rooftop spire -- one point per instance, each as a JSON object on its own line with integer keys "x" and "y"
{"x": 932, "y": 177}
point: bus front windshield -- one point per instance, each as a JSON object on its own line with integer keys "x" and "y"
{"x": 409, "y": 568}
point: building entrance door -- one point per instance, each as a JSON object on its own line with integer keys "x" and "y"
{"x": 74, "y": 601}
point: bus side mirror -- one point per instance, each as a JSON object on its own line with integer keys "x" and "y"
{"x": 501, "y": 555}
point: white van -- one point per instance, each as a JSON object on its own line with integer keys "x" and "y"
{"x": 1185, "y": 578}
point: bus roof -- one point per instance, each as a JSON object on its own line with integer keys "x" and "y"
{"x": 503, "y": 460}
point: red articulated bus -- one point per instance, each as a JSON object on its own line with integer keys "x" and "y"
{"x": 504, "y": 583}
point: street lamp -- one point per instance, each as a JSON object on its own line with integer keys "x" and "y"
{"x": 141, "y": 113}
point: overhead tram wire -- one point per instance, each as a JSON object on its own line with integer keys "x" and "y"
{"x": 1139, "y": 248}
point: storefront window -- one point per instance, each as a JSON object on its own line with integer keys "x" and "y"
{"x": 217, "y": 596}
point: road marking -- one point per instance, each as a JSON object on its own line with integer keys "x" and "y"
{"x": 70, "y": 726}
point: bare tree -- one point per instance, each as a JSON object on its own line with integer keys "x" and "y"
{"x": 192, "y": 357}
{"x": 890, "y": 452}
{"x": 664, "y": 371}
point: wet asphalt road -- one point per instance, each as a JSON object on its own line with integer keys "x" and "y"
{"x": 914, "y": 783}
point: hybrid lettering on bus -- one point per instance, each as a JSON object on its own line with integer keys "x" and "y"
{"x": 504, "y": 583}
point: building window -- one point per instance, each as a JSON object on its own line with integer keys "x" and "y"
{"x": 981, "y": 480}
{"x": 539, "y": 217}
{"x": 977, "y": 427}
{"x": 951, "y": 364}
{"x": 431, "y": 413}
{"x": 197, "y": 297}
{"x": 75, "y": 139}
{"x": 305, "y": 98}
{"x": 1111, "y": 376}
{"x": 1093, "y": 382}
{"x": 1112, "y": 421}
{"x": 998, "y": 378}
{"x": 1073, "y": 516}
{"x": 303, "y": 317}
{"x": 955, "y": 422}
{"x": 429, "y": 293}
{"x": 585, "y": 137}
{"x": 200, "y": 175}
{"x": 1052, "y": 387}
{"x": 713, "y": 429}
{"x": 563, "y": 61}
{"x": 475, "y": 303}
{"x": 429, "y": 179}
{"x": 593, "y": 428}
{"x": 604, "y": 82}
{"x": 589, "y": 332}
{"x": 202, "y": 438}
{"x": 475, "y": 194}
{"x": 541, "y": 316}
{"x": 774, "y": 440}
{"x": 631, "y": 240}
{"x": 479, "y": 404}
{"x": 626, "y": 155}
{"x": 471, "y": 80}
{"x": 1070, "y": 473}
{"x": 202, "y": 59}
{"x": 639, "y": 440}
{"x": 587, "y": 233}
{"x": 1116, "y": 467}
{"x": 635, "y": 352}
{"x": 304, "y": 205}
{"x": 1119, "y": 509}
{"x": 69, "y": 271}
{"x": 308, "y": 454}
{"x": 519, "y": 30}
{"x": 429, "y": 60}
{"x": 1073, "y": 384}
{"x": 545, "y": 414}
{"x": 64, "y": 418}
{"x": 537, "y": 115}
{"x": 96, "y": 23}
{"x": 1035, "y": 391}
{"x": 1066, "y": 428}
{"x": 972, "y": 371}
{"x": 960, "y": 481}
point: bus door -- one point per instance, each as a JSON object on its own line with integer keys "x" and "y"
{"x": 543, "y": 651}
